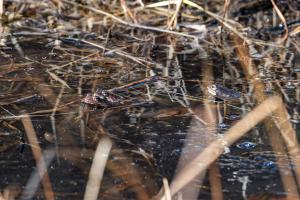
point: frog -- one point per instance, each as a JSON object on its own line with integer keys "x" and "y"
{"x": 114, "y": 97}
{"x": 223, "y": 92}
{"x": 103, "y": 98}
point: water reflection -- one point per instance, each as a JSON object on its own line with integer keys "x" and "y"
{"x": 150, "y": 140}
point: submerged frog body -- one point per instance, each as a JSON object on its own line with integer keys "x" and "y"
{"x": 114, "y": 97}
{"x": 103, "y": 98}
{"x": 223, "y": 92}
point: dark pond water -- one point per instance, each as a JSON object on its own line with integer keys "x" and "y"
{"x": 152, "y": 136}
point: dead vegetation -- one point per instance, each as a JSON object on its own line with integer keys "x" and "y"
{"x": 148, "y": 65}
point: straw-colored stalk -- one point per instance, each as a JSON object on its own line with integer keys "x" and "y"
{"x": 1, "y": 8}
{"x": 173, "y": 22}
{"x": 211, "y": 118}
{"x": 38, "y": 156}
{"x": 97, "y": 169}
{"x": 33, "y": 182}
{"x": 167, "y": 189}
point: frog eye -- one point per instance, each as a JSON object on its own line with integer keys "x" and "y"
{"x": 98, "y": 91}
{"x": 212, "y": 89}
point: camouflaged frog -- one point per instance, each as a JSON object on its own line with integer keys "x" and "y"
{"x": 223, "y": 92}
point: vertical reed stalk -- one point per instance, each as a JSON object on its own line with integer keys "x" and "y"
{"x": 38, "y": 156}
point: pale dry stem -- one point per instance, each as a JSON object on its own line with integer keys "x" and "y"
{"x": 97, "y": 169}
{"x": 38, "y": 156}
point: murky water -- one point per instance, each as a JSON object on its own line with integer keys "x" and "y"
{"x": 152, "y": 139}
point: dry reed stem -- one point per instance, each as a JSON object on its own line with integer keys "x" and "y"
{"x": 120, "y": 53}
{"x": 225, "y": 22}
{"x": 3, "y": 197}
{"x": 211, "y": 117}
{"x": 230, "y": 25}
{"x": 73, "y": 62}
{"x": 290, "y": 138}
{"x": 167, "y": 189}
{"x": 12, "y": 67}
{"x": 56, "y": 78}
{"x": 273, "y": 132}
{"x": 80, "y": 107}
{"x": 225, "y": 7}
{"x": 127, "y": 23}
{"x": 59, "y": 4}
{"x": 196, "y": 116}
{"x": 164, "y": 12}
{"x": 124, "y": 169}
{"x": 51, "y": 97}
{"x": 215, "y": 149}
{"x": 214, "y": 176}
{"x": 7, "y": 194}
{"x": 173, "y": 22}
{"x": 40, "y": 113}
{"x": 1, "y": 8}
{"x": 295, "y": 31}
{"x": 127, "y": 11}
{"x": 34, "y": 180}
{"x": 38, "y": 156}
{"x": 97, "y": 169}
{"x": 55, "y": 107}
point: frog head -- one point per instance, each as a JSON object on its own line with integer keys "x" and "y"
{"x": 212, "y": 89}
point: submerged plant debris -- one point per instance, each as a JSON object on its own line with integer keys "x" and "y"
{"x": 149, "y": 99}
